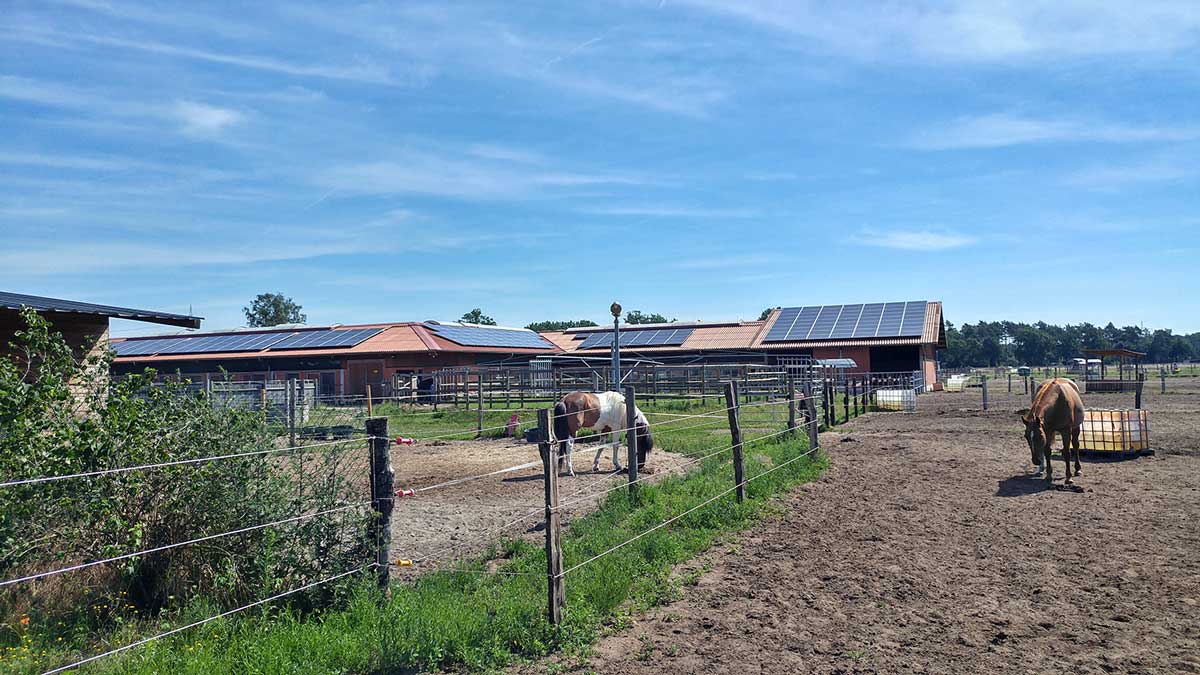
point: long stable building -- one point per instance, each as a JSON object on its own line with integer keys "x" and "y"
{"x": 344, "y": 360}
{"x": 878, "y": 337}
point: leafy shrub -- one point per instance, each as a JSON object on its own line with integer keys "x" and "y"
{"x": 60, "y": 415}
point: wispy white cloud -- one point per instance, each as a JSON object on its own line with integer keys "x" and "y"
{"x": 479, "y": 39}
{"x": 204, "y": 119}
{"x": 175, "y": 17}
{"x": 72, "y": 162}
{"x": 363, "y": 71}
{"x": 976, "y": 30}
{"x": 771, "y": 176}
{"x": 234, "y": 245}
{"x": 914, "y": 240}
{"x": 447, "y": 171}
{"x": 1112, "y": 176}
{"x": 1000, "y": 130}
{"x": 748, "y": 260}
{"x": 666, "y": 211}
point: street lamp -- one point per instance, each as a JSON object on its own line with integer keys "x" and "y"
{"x": 615, "y": 384}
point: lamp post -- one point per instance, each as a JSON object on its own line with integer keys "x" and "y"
{"x": 615, "y": 384}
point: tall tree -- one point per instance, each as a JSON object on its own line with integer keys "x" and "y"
{"x": 272, "y": 309}
{"x": 638, "y": 316}
{"x": 766, "y": 312}
{"x": 540, "y": 326}
{"x": 477, "y": 316}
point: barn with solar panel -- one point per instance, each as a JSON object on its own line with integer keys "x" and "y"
{"x": 881, "y": 337}
{"x": 342, "y": 360}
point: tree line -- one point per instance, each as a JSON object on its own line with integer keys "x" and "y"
{"x": 1007, "y": 343}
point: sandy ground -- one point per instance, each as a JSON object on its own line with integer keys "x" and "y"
{"x": 927, "y": 548}
{"x": 447, "y": 523}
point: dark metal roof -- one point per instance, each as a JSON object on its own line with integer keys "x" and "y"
{"x": 1118, "y": 351}
{"x": 19, "y": 300}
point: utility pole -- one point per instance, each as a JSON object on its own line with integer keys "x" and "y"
{"x": 615, "y": 384}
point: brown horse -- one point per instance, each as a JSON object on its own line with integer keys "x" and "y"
{"x": 1057, "y": 409}
{"x": 604, "y": 412}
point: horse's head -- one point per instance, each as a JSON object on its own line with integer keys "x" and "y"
{"x": 645, "y": 441}
{"x": 1035, "y": 436}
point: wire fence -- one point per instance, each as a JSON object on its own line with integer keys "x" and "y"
{"x": 364, "y": 485}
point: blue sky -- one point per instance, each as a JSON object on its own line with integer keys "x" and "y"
{"x": 704, "y": 159}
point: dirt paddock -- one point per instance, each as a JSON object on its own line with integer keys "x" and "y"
{"x": 927, "y": 548}
{"x": 450, "y": 522}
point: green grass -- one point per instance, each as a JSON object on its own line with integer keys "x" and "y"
{"x": 483, "y": 621}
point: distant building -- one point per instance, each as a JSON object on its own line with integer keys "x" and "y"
{"x": 344, "y": 360}
{"x": 878, "y": 337}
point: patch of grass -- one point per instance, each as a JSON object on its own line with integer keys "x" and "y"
{"x": 469, "y": 620}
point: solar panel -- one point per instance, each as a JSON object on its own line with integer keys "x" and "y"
{"x": 321, "y": 339}
{"x": 823, "y": 326}
{"x": 839, "y": 322}
{"x": 893, "y": 315}
{"x": 659, "y": 337}
{"x": 783, "y": 324}
{"x": 139, "y": 347}
{"x": 597, "y": 340}
{"x": 914, "y": 318}
{"x": 846, "y": 322}
{"x": 804, "y": 323}
{"x": 868, "y": 322}
{"x": 476, "y": 336}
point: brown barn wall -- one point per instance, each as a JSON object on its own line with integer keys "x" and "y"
{"x": 861, "y": 356}
{"x": 87, "y": 336}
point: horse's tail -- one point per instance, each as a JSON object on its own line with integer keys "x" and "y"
{"x": 561, "y": 430}
{"x": 645, "y": 440}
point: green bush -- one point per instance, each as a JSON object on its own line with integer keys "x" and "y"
{"x": 60, "y": 415}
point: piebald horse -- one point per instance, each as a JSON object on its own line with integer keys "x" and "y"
{"x": 1057, "y": 408}
{"x": 604, "y": 412}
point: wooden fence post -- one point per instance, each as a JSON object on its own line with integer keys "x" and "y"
{"x": 370, "y": 407}
{"x": 1032, "y": 391}
{"x": 1163, "y": 377}
{"x": 1137, "y": 400}
{"x": 382, "y": 495}
{"x": 735, "y": 431}
{"x": 827, "y": 401}
{"x": 479, "y": 402}
{"x": 846, "y": 399}
{"x": 810, "y": 415}
{"x": 631, "y": 437}
{"x": 704, "y": 385}
{"x": 1010, "y": 382}
{"x": 856, "y": 389}
{"x": 291, "y": 410}
{"x": 791, "y": 397}
{"x": 556, "y": 598}
{"x": 985, "y": 393}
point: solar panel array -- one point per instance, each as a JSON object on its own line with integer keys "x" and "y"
{"x": 836, "y": 322}
{"x": 662, "y": 337}
{"x": 251, "y": 342}
{"x": 320, "y": 339}
{"x": 473, "y": 336}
